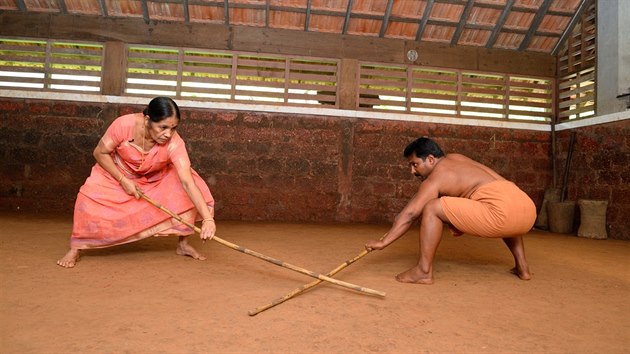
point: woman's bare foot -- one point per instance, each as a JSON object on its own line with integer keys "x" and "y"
{"x": 521, "y": 272}
{"x": 70, "y": 259}
{"x": 184, "y": 249}
{"x": 415, "y": 275}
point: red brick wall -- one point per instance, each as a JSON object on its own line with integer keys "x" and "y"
{"x": 600, "y": 169}
{"x": 263, "y": 166}
{"x": 46, "y": 149}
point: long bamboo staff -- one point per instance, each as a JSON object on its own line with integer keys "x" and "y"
{"x": 305, "y": 287}
{"x": 263, "y": 257}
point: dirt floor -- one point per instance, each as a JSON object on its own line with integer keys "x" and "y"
{"x": 142, "y": 298}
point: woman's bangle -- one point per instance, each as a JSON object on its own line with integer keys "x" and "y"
{"x": 208, "y": 219}
{"x": 121, "y": 177}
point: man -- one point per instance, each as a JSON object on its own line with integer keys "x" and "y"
{"x": 468, "y": 196}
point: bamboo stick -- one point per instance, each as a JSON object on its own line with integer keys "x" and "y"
{"x": 266, "y": 258}
{"x": 305, "y": 287}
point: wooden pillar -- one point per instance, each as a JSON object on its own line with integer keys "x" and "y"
{"x": 348, "y": 93}
{"x": 114, "y": 68}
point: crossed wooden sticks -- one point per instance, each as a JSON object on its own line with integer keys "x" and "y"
{"x": 305, "y": 287}
{"x": 278, "y": 262}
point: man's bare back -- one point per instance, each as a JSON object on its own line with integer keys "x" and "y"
{"x": 459, "y": 176}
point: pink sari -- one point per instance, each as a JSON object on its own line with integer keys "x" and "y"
{"x": 105, "y": 215}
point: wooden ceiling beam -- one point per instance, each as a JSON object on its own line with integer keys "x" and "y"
{"x": 500, "y": 23}
{"x": 537, "y": 33}
{"x": 560, "y": 13}
{"x": 103, "y": 7}
{"x": 462, "y": 21}
{"x": 425, "y": 19}
{"x": 346, "y": 21}
{"x": 521, "y": 8}
{"x": 388, "y": 12}
{"x": 62, "y": 6}
{"x": 530, "y": 10}
{"x": 514, "y": 30}
{"x": 226, "y": 13}
{"x": 452, "y": 2}
{"x": 547, "y": 34}
{"x": 490, "y": 6}
{"x": 307, "y": 20}
{"x": 478, "y": 27}
{"x": 186, "y": 12}
{"x": 145, "y": 12}
{"x": 442, "y": 23}
{"x": 21, "y": 5}
{"x": 585, "y": 4}
{"x": 535, "y": 24}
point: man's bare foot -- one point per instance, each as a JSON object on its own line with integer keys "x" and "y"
{"x": 521, "y": 273}
{"x": 70, "y": 259}
{"x": 184, "y": 249}
{"x": 416, "y": 276}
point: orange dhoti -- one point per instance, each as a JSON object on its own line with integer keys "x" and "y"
{"x": 496, "y": 209}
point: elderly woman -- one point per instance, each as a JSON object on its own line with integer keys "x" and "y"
{"x": 140, "y": 151}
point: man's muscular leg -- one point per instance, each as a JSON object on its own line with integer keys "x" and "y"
{"x": 431, "y": 225}
{"x": 517, "y": 247}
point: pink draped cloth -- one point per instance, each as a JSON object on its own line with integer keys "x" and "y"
{"x": 105, "y": 215}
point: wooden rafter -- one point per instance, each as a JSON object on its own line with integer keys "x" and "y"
{"x": 307, "y": 19}
{"x": 442, "y": 23}
{"x": 346, "y": 22}
{"x": 20, "y": 4}
{"x": 62, "y": 6}
{"x": 500, "y": 23}
{"x": 388, "y": 12}
{"x": 186, "y": 11}
{"x": 542, "y": 11}
{"x": 479, "y": 27}
{"x": 425, "y": 18}
{"x": 462, "y": 21}
{"x": 226, "y": 12}
{"x": 267, "y": 13}
{"x": 103, "y": 7}
{"x": 145, "y": 12}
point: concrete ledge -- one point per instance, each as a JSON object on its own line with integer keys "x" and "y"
{"x": 319, "y": 111}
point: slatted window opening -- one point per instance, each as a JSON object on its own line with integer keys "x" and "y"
{"x": 233, "y": 77}
{"x": 576, "y": 95}
{"x": 455, "y": 93}
{"x": 312, "y": 82}
{"x": 260, "y": 79}
{"x": 434, "y": 91}
{"x": 75, "y": 67}
{"x": 576, "y": 68}
{"x": 383, "y": 87}
{"x": 530, "y": 98}
{"x": 207, "y": 75}
{"x": 152, "y": 71}
{"x": 50, "y": 65}
{"x": 482, "y": 95}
